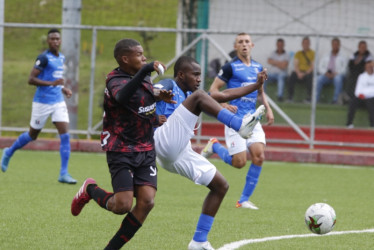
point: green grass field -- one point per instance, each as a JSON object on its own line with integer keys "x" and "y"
{"x": 35, "y": 208}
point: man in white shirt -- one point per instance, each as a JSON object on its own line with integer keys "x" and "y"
{"x": 332, "y": 70}
{"x": 364, "y": 93}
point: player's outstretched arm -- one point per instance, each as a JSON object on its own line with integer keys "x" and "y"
{"x": 124, "y": 95}
{"x": 269, "y": 112}
{"x": 234, "y": 93}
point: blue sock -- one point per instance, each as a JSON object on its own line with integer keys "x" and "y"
{"x": 203, "y": 227}
{"x": 222, "y": 152}
{"x": 21, "y": 141}
{"x": 229, "y": 119}
{"x": 64, "y": 153}
{"x": 250, "y": 182}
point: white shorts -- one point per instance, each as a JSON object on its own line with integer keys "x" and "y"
{"x": 236, "y": 144}
{"x": 174, "y": 151}
{"x": 41, "y": 112}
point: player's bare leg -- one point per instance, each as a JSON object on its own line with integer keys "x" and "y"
{"x": 134, "y": 219}
{"x": 257, "y": 151}
{"x": 200, "y": 101}
{"x": 218, "y": 188}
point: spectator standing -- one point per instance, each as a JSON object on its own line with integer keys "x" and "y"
{"x": 364, "y": 94}
{"x": 332, "y": 69}
{"x": 278, "y": 61}
{"x": 303, "y": 70}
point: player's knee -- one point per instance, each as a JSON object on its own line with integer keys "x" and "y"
{"x": 199, "y": 94}
{"x": 219, "y": 185}
{"x": 239, "y": 163}
{"x": 146, "y": 204}
{"x": 122, "y": 207}
{"x": 224, "y": 188}
{"x": 258, "y": 159}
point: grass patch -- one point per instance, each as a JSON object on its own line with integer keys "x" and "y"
{"x": 35, "y": 208}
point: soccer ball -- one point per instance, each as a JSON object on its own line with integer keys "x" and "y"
{"x": 320, "y": 218}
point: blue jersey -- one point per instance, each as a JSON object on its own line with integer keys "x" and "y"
{"x": 236, "y": 74}
{"x": 51, "y": 68}
{"x": 164, "y": 108}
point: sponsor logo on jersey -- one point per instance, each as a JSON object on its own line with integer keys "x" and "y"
{"x": 247, "y": 99}
{"x": 148, "y": 109}
{"x": 253, "y": 78}
{"x": 57, "y": 74}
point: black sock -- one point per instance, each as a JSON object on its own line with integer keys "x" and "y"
{"x": 129, "y": 227}
{"x": 99, "y": 195}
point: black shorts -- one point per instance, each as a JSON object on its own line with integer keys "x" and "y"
{"x": 130, "y": 169}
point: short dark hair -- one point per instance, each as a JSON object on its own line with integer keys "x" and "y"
{"x": 54, "y": 30}
{"x": 181, "y": 62}
{"x": 362, "y": 42}
{"x": 336, "y": 39}
{"x": 280, "y": 40}
{"x": 124, "y": 46}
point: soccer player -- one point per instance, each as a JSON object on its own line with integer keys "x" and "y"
{"x": 172, "y": 139}
{"x": 47, "y": 76}
{"x": 127, "y": 138}
{"x": 242, "y": 70}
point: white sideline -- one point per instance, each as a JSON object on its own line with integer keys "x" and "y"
{"x": 237, "y": 244}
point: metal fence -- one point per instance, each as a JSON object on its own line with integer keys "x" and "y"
{"x": 204, "y": 43}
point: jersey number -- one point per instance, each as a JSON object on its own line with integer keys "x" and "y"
{"x": 106, "y": 135}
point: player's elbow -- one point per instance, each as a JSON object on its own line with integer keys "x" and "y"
{"x": 31, "y": 80}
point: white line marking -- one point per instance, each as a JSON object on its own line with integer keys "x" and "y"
{"x": 237, "y": 244}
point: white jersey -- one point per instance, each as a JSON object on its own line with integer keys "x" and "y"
{"x": 365, "y": 85}
{"x": 174, "y": 151}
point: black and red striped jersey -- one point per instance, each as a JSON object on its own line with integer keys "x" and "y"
{"x": 128, "y": 127}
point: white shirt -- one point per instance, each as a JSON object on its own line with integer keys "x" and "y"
{"x": 365, "y": 85}
{"x": 340, "y": 64}
{"x": 278, "y": 57}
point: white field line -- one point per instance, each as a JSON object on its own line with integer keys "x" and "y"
{"x": 237, "y": 244}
